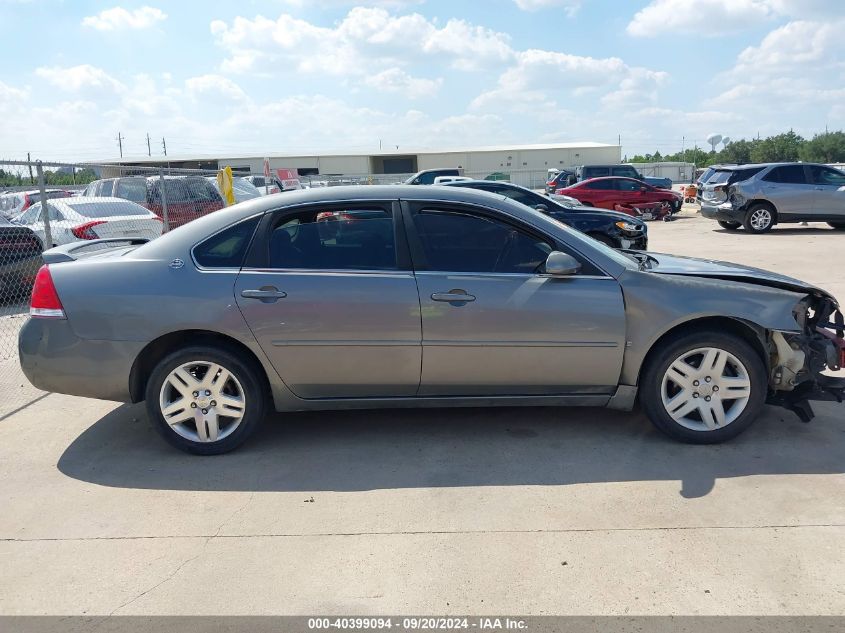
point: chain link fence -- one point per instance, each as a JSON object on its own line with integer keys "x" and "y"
{"x": 48, "y": 204}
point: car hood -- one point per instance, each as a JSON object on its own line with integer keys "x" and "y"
{"x": 712, "y": 269}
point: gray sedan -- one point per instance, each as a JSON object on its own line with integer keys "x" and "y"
{"x": 394, "y": 296}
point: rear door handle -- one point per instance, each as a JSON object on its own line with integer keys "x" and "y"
{"x": 453, "y": 296}
{"x": 267, "y": 294}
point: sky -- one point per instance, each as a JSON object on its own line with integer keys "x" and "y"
{"x": 284, "y": 76}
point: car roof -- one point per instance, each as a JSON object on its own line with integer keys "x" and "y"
{"x": 606, "y": 178}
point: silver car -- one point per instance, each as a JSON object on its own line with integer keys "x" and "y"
{"x": 396, "y": 296}
{"x": 759, "y": 196}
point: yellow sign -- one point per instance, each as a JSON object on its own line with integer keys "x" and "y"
{"x": 225, "y": 183}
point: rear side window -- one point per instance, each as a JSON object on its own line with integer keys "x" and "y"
{"x": 335, "y": 239}
{"x": 106, "y": 187}
{"x": 740, "y": 175}
{"x": 595, "y": 172}
{"x": 228, "y": 248}
{"x": 626, "y": 171}
{"x": 787, "y": 174}
{"x": 602, "y": 185}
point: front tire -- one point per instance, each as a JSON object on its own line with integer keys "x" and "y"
{"x": 760, "y": 218}
{"x": 703, "y": 387}
{"x": 730, "y": 226}
{"x": 205, "y": 400}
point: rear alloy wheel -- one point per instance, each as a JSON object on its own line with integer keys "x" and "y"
{"x": 839, "y": 226}
{"x": 730, "y": 226}
{"x": 704, "y": 388}
{"x": 759, "y": 219}
{"x": 204, "y": 401}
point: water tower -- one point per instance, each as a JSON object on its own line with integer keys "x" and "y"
{"x": 725, "y": 141}
{"x": 714, "y": 140}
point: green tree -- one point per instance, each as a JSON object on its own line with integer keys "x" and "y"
{"x": 779, "y": 148}
{"x": 738, "y": 152}
{"x": 824, "y": 148}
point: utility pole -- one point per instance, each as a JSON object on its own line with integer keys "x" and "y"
{"x": 29, "y": 160}
{"x": 149, "y": 153}
{"x": 164, "y": 145}
{"x": 120, "y": 143}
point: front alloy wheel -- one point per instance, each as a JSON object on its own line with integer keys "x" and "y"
{"x": 705, "y": 389}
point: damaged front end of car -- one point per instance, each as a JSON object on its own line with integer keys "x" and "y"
{"x": 797, "y": 359}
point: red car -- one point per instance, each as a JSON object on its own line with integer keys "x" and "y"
{"x": 607, "y": 192}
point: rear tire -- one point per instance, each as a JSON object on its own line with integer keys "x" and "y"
{"x": 839, "y": 226}
{"x": 760, "y": 218}
{"x": 685, "y": 405}
{"x": 229, "y": 404}
{"x": 730, "y": 226}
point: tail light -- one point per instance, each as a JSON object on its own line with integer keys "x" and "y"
{"x": 45, "y": 303}
{"x": 84, "y": 232}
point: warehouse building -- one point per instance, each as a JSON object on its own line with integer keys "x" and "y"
{"x": 515, "y": 161}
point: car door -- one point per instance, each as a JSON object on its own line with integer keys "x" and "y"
{"x": 788, "y": 188}
{"x": 331, "y": 298}
{"x": 829, "y": 197}
{"x": 493, "y": 324}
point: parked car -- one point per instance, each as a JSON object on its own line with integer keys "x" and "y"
{"x": 660, "y": 183}
{"x": 242, "y": 188}
{"x": 559, "y": 180}
{"x": 608, "y": 227}
{"x": 606, "y": 193}
{"x": 272, "y": 185}
{"x": 13, "y": 204}
{"x": 187, "y": 197}
{"x": 74, "y": 219}
{"x": 442, "y": 180}
{"x": 757, "y": 197}
{"x": 20, "y": 259}
{"x": 444, "y": 296}
{"x": 587, "y": 172}
{"x": 427, "y": 176}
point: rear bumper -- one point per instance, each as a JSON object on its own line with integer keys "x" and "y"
{"x": 724, "y": 212}
{"x": 54, "y": 358}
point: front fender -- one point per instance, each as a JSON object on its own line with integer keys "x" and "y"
{"x": 656, "y": 304}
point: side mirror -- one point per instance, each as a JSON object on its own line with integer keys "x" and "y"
{"x": 561, "y": 265}
{"x": 541, "y": 208}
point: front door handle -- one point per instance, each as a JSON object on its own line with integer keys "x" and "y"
{"x": 267, "y": 294}
{"x": 453, "y": 296}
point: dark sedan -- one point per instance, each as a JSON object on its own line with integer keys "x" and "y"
{"x": 20, "y": 257}
{"x": 609, "y": 227}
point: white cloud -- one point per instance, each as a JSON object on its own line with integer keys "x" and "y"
{"x": 365, "y": 40}
{"x": 397, "y": 80}
{"x": 719, "y": 17}
{"x": 76, "y": 78}
{"x": 569, "y": 6}
{"x": 214, "y": 85}
{"x": 118, "y": 18}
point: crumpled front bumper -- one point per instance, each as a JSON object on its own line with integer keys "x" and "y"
{"x": 819, "y": 348}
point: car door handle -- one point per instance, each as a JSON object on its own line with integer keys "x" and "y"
{"x": 453, "y": 296}
{"x": 265, "y": 294}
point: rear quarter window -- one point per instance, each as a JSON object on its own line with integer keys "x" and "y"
{"x": 227, "y": 248}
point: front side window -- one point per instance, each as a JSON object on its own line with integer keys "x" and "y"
{"x": 31, "y": 215}
{"x": 826, "y": 176}
{"x": 427, "y": 179}
{"x": 134, "y": 189}
{"x": 334, "y": 239}
{"x": 596, "y": 172}
{"x": 106, "y": 187}
{"x": 787, "y": 174}
{"x": 458, "y": 242}
{"x": 228, "y": 248}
